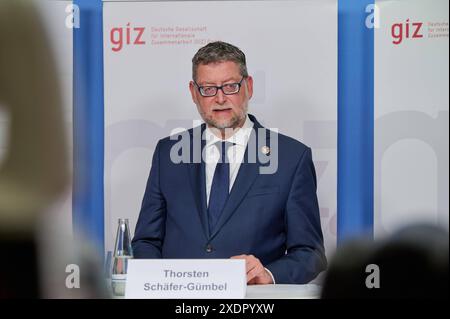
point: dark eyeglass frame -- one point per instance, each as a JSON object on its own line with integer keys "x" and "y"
{"x": 201, "y": 88}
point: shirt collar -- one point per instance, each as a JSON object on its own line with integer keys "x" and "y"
{"x": 240, "y": 137}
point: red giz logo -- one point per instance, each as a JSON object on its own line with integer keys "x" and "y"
{"x": 406, "y": 30}
{"x": 133, "y": 36}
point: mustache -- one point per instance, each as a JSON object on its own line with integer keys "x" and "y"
{"x": 221, "y": 107}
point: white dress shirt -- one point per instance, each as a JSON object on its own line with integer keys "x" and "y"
{"x": 235, "y": 154}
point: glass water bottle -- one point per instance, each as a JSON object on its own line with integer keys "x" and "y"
{"x": 122, "y": 252}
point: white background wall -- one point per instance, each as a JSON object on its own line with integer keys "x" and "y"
{"x": 411, "y": 116}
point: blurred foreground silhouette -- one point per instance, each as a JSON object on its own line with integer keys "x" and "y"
{"x": 34, "y": 174}
{"x": 412, "y": 263}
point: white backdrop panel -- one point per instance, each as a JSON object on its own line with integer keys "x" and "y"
{"x": 411, "y": 114}
{"x": 291, "y": 49}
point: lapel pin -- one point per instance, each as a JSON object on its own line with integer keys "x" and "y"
{"x": 265, "y": 150}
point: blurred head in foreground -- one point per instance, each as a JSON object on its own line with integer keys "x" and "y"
{"x": 412, "y": 263}
{"x": 34, "y": 172}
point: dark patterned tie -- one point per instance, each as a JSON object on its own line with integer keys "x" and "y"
{"x": 220, "y": 186}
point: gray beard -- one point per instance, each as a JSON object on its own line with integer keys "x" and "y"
{"x": 232, "y": 123}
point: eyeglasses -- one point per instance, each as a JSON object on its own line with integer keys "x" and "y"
{"x": 227, "y": 89}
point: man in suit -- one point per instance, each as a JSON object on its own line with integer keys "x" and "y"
{"x": 231, "y": 188}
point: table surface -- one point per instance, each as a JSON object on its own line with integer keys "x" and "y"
{"x": 308, "y": 291}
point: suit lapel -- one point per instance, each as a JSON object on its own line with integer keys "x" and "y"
{"x": 248, "y": 171}
{"x": 244, "y": 180}
{"x": 197, "y": 179}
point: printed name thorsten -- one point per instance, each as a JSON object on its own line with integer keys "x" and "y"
{"x": 185, "y": 274}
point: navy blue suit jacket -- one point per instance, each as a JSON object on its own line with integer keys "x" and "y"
{"x": 274, "y": 217}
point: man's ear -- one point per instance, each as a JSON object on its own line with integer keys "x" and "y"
{"x": 249, "y": 81}
{"x": 193, "y": 90}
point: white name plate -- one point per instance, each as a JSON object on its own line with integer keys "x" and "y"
{"x": 186, "y": 279}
